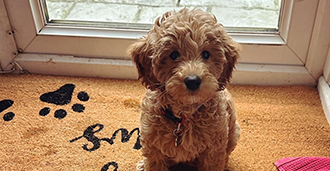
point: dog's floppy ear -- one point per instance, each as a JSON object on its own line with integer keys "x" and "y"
{"x": 141, "y": 53}
{"x": 231, "y": 49}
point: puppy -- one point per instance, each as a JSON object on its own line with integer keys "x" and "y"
{"x": 188, "y": 116}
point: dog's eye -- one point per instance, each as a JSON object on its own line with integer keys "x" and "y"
{"x": 205, "y": 54}
{"x": 174, "y": 55}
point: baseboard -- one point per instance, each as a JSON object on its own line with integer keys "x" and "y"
{"x": 78, "y": 67}
{"x": 247, "y": 74}
{"x": 324, "y": 91}
{"x": 273, "y": 75}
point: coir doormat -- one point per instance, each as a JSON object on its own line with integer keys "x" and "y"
{"x": 51, "y": 123}
{"x": 68, "y": 124}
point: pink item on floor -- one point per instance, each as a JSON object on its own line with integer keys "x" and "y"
{"x": 303, "y": 164}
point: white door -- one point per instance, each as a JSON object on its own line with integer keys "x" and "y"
{"x": 273, "y": 54}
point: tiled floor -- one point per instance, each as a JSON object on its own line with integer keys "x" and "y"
{"x": 231, "y": 13}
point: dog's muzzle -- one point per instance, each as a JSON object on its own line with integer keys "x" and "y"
{"x": 193, "y": 82}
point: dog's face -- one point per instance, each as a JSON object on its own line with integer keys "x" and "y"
{"x": 189, "y": 53}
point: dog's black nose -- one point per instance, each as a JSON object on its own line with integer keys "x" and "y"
{"x": 192, "y": 82}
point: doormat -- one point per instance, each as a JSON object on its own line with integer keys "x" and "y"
{"x": 62, "y": 123}
{"x": 70, "y": 124}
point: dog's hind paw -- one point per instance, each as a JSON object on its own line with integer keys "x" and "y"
{"x": 140, "y": 166}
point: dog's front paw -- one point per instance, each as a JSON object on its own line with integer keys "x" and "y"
{"x": 140, "y": 166}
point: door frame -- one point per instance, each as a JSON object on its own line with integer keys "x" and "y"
{"x": 298, "y": 59}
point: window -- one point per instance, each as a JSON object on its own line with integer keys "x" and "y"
{"x": 52, "y": 40}
{"x": 243, "y": 14}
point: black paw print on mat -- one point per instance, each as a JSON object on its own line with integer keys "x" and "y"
{"x": 5, "y": 104}
{"x": 62, "y": 97}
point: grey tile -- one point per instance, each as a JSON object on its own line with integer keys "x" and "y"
{"x": 149, "y": 15}
{"x": 59, "y": 10}
{"x": 153, "y": 3}
{"x": 247, "y": 4}
{"x": 233, "y": 17}
{"x": 103, "y": 12}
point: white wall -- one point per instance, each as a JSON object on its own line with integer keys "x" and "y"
{"x": 7, "y": 41}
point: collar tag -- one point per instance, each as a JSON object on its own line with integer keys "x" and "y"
{"x": 179, "y": 121}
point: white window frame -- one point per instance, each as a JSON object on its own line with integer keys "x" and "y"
{"x": 267, "y": 59}
{"x": 326, "y": 71}
{"x": 324, "y": 87}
